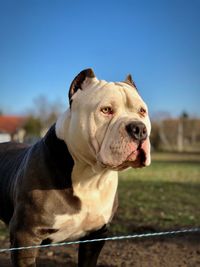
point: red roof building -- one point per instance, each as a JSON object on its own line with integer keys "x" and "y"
{"x": 12, "y": 126}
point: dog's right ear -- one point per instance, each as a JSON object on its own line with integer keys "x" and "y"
{"x": 130, "y": 81}
{"x": 81, "y": 81}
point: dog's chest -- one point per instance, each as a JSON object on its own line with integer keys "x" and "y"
{"x": 96, "y": 211}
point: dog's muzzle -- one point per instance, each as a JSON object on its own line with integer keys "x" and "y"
{"x": 138, "y": 133}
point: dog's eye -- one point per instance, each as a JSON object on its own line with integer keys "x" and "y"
{"x": 107, "y": 110}
{"x": 142, "y": 111}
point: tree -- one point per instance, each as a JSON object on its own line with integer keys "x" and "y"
{"x": 47, "y": 112}
{"x": 184, "y": 115}
{"x": 155, "y": 136}
{"x": 33, "y": 126}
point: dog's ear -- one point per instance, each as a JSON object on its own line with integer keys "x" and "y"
{"x": 130, "y": 81}
{"x": 81, "y": 81}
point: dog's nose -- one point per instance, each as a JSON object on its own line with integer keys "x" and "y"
{"x": 137, "y": 130}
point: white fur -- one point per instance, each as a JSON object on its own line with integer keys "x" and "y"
{"x": 97, "y": 144}
{"x": 97, "y": 196}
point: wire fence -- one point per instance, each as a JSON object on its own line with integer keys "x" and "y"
{"x": 112, "y": 238}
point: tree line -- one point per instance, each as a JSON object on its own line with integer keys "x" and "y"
{"x": 176, "y": 134}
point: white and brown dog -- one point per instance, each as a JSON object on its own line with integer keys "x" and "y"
{"x": 64, "y": 187}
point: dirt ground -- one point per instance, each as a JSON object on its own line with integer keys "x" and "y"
{"x": 182, "y": 251}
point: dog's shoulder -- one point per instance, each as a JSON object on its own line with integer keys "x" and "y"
{"x": 57, "y": 153}
{"x": 12, "y": 147}
{"x": 48, "y": 163}
{"x": 12, "y": 153}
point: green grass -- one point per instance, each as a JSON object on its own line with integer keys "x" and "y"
{"x": 162, "y": 196}
{"x": 165, "y": 195}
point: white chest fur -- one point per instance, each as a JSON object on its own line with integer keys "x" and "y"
{"x": 97, "y": 197}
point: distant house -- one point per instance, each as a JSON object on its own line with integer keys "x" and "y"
{"x": 11, "y": 128}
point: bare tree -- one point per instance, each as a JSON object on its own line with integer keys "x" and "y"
{"x": 47, "y": 111}
{"x": 42, "y": 115}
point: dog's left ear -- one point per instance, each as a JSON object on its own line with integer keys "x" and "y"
{"x": 130, "y": 81}
{"x": 81, "y": 81}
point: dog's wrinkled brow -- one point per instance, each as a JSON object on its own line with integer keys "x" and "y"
{"x": 127, "y": 95}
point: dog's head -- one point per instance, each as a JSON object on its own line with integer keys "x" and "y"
{"x": 107, "y": 123}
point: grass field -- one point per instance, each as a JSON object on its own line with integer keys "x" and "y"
{"x": 162, "y": 196}
{"x": 165, "y": 195}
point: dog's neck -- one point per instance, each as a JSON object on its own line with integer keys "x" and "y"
{"x": 85, "y": 174}
{"x": 81, "y": 151}
{"x": 85, "y": 181}
{"x": 58, "y": 155}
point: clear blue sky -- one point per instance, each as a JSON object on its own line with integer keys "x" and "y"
{"x": 45, "y": 43}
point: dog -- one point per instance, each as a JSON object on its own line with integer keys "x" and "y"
{"x": 64, "y": 187}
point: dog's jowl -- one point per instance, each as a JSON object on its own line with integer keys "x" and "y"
{"x": 64, "y": 186}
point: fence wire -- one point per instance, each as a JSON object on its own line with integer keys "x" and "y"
{"x": 112, "y": 238}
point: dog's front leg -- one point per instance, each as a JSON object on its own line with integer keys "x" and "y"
{"x": 24, "y": 257}
{"x": 89, "y": 252}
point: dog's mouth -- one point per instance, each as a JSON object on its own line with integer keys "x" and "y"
{"x": 136, "y": 159}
